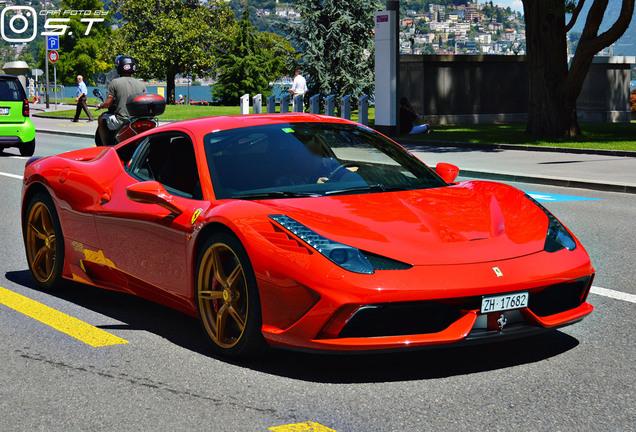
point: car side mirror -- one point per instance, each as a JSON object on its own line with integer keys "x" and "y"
{"x": 152, "y": 192}
{"x": 98, "y": 94}
{"x": 447, "y": 172}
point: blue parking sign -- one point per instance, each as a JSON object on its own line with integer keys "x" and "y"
{"x": 52, "y": 42}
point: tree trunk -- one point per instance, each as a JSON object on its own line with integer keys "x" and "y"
{"x": 552, "y": 111}
{"x": 553, "y": 88}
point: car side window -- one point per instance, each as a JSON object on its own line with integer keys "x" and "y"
{"x": 169, "y": 159}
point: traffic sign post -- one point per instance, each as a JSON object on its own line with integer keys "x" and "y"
{"x": 55, "y": 81}
{"x": 54, "y": 57}
{"x": 46, "y": 65}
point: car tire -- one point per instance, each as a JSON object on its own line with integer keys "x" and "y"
{"x": 44, "y": 242}
{"x": 227, "y": 298}
{"x": 27, "y": 148}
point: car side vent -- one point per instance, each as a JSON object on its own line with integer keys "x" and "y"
{"x": 280, "y": 238}
{"x": 379, "y": 262}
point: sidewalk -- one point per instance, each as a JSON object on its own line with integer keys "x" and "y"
{"x": 587, "y": 171}
{"x": 607, "y": 171}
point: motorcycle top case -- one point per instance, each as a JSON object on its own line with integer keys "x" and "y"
{"x": 145, "y": 105}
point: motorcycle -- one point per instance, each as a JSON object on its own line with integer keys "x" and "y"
{"x": 143, "y": 109}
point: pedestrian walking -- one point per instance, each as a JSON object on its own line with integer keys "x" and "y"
{"x": 81, "y": 100}
{"x": 299, "y": 86}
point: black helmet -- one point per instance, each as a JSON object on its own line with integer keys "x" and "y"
{"x": 125, "y": 64}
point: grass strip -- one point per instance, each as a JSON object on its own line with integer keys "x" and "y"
{"x": 610, "y": 136}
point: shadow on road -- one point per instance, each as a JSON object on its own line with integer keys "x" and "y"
{"x": 13, "y": 152}
{"x": 133, "y": 312}
{"x": 184, "y": 331}
{"x": 448, "y": 149}
{"x": 429, "y": 363}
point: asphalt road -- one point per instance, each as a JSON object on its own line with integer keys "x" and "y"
{"x": 579, "y": 378}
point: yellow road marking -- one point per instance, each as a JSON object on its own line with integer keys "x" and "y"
{"x": 59, "y": 321}
{"x": 73, "y": 125}
{"x": 308, "y": 426}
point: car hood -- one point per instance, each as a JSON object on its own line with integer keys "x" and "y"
{"x": 465, "y": 223}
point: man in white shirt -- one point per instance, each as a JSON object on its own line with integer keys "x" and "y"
{"x": 299, "y": 87}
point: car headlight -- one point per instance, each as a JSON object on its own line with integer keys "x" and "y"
{"x": 347, "y": 257}
{"x": 557, "y": 237}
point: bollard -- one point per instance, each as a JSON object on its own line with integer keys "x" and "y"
{"x": 314, "y": 104}
{"x": 297, "y": 106}
{"x": 284, "y": 104}
{"x": 257, "y": 104}
{"x": 363, "y": 110}
{"x": 245, "y": 104}
{"x": 345, "y": 107}
{"x": 330, "y": 105}
{"x": 271, "y": 104}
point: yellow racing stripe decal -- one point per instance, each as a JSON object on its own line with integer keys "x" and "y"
{"x": 308, "y": 426}
{"x": 59, "y": 321}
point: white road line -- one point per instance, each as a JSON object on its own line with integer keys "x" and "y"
{"x": 12, "y": 175}
{"x": 613, "y": 294}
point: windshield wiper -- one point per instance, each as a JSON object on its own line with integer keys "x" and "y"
{"x": 368, "y": 188}
{"x": 274, "y": 195}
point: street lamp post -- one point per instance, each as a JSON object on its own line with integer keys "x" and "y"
{"x": 46, "y": 64}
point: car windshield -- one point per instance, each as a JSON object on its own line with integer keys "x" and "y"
{"x": 310, "y": 159}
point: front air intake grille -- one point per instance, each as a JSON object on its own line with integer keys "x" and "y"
{"x": 559, "y": 298}
{"x": 397, "y": 319}
{"x": 281, "y": 239}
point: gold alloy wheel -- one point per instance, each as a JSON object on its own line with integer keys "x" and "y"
{"x": 222, "y": 295}
{"x": 41, "y": 242}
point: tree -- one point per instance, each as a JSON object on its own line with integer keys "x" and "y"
{"x": 81, "y": 53}
{"x": 553, "y": 86}
{"x": 249, "y": 61}
{"x": 7, "y": 53}
{"x": 336, "y": 41}
{"x": 171, "y": 37}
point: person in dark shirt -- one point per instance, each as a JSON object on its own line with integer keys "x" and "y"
{"x": 118, "y": 92}
{"x": 408, "y": 117}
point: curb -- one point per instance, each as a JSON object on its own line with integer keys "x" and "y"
{"x": 73, "y": 134}
{"x": 468, "y": 145}
{"x": 52, "y": 117}
{"x": 580, "y": 184}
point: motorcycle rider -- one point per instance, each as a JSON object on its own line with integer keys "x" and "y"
{"x": 118, "y": 92}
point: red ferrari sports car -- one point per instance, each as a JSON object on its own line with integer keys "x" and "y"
{"x": 302, "y": 231}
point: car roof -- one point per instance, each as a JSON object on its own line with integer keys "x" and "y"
{"x": 216, "y": 123}
{"x": 8, "y": 76}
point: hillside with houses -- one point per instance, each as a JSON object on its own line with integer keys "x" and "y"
{"x": 427, "y": 26}
{"x": 451, "y": 27}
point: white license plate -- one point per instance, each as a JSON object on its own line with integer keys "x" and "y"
{"x": 504, "y": 302}
{"x": 4, "y": 111}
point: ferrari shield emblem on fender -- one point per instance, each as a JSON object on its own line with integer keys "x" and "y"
{"x": 497, "y": 271}
{"x": 195, "y": 216}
